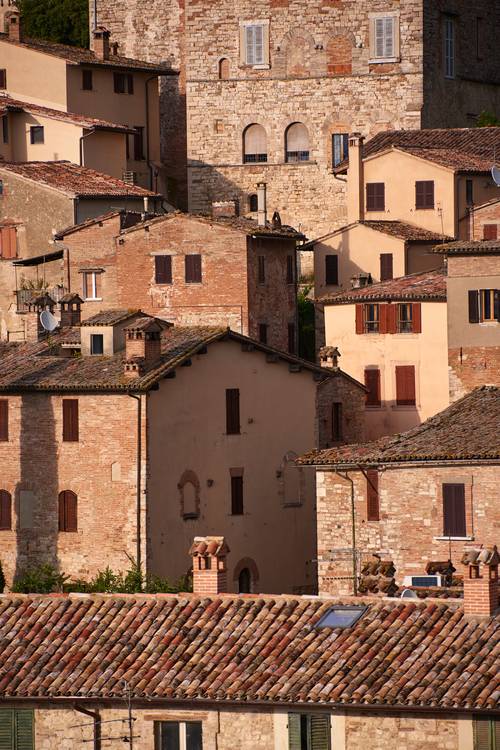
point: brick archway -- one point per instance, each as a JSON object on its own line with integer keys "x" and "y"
{"x": 246, "y": 563}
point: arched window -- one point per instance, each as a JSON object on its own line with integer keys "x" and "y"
{"x": 5, "y": 511}
{"x": 245, "y": 582}
{"x": 297, "y": 142}
{"x": 189, "y": 487}
{"x": 224, "y": 69}
{"x": 254, "y": 144}
{"x": 68, "y": 517}
{"x": 253, "y": 202}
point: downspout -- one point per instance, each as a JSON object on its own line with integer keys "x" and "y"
{"x": 148, "y": 80}
{"x": 85, "y": 135}
{"x": 353, "y": 525}
{"x": 138, "y": 477}
{"x": 97, "y": 724}
{"x": 95, "y": 15}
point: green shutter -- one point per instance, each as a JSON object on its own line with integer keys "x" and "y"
{"x": 24, "y": 730}
{"x": 294, "y": 732}
{"x": 495, "y": 730}
{"x": 320, "y": 732}
{"x": 482, "y": 734}
{"x": 6, "y": 729}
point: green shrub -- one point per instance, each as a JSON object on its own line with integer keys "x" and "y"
{"x": 2, "y": 579}
{"x": 41, "y": 579}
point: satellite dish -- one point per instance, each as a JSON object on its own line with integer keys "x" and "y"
{"x": 409, "y": 594}
{"x": 48, "y": 321}
{"x": 495, "y": 173}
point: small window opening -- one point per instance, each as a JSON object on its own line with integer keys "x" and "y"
{"x": 341, "y": 617}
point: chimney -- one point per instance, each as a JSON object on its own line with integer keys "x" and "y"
{"x": 225, "y": 209}
{"x": 71, "y": 313}
{"x": 142, "y": 345}
{"x": 15, "y": 26}
{"x": 209, "y": 565}
{"x": 33, "y": 329}
{"x": 481, "y": 582}
{"x": 329, "y": 357}
{"x": 261, "y": 204}
{"x": 101, "y": 43}
{"x": 114, "y": 48}
{"x": 355, "y": 180}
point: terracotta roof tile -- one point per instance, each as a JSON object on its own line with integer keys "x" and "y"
{"x": 465, "y": 431}
{"x": 405, "y": 231}
{"x": 109, "y": 317}
{"x": 469, "y": 247}
{"x": 430, "y": 285}
{"x": 7, "y": 104}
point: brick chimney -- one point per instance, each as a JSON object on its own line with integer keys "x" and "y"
{"x": 71, "y": 310}
{"x": 101, "y": 42}
{"x": 33, "y": 329}
{"x": 355, "y": 180}
{"x": 261, "y": 204}
{"x": 225, "y": 209}
{"x": 481, "y": 581}
{"x": 15, "y": 26}
{"x": 142, "y": 345}
{"x": 329, "y": 357}
{"x": 209, "y": 565}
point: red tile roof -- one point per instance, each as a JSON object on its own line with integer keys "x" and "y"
{"x": 7, "y": 104}
{"x": 75, "y": 180}
{"x": 246, "y": 650}
{"x": 405, "y": 231}
{"x": 467, "y": 431}
{"x": 469, "y": 247}
{"x": 430, "y": 285}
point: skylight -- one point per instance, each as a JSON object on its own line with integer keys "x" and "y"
{"x": 341, "y": 616}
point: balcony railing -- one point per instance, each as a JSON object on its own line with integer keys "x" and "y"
{"x": 25, "y": 297}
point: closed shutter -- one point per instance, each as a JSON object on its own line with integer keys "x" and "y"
{"x": 8, "y": 242}
{"x": 193, "y": 269}
{"x": 62, "y": 511}
{"x": 424, "y": 194}
{"x": 24, "y": 730}
{"x": 7, "y": 729}
{"x": 294, "y": 742}
{"x": 70, "y": 420}
{"x": 416, "y": 317}
{"x": 375, "y": 196}
{"x": 482, "y": 734}
{"x": 163, "y": 269}
{"x": 372, "y": 501}
{"x": 4, "y": 420}
{"x": 386, "y": 267}
{"x": 473, "y": 306}
{"x": 372, "y": 382}
{"x": 5, "y": 510}
{"x": 360, "y": 328}
{"x": 320, "y": 732}
{"x": 331, "y": 269}
{"x": 232, "y": 411}
{"x": 490, "y": 231}
{"x": 391, "y": 318}
{"x": 405, "y": 385}
{"x": 497, "y": 316}
{"x": 454, "y": 522}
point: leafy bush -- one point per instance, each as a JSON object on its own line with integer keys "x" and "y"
{"x": 42, "y": 579}
{"x": 487, "y": 120}
{"x": 307, "y": 344}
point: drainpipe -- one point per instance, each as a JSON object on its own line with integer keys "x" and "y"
{"x": 97, "y": 724}
{"x": 85, "y": 135}
{"x": 353, "y": 528}
{"x": 95, "y": 15}
{"x": 148, "y": 80}
{"x": 138, "y": 477}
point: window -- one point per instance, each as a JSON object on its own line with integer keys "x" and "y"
{"x": 123, "y": 83}
{"x": 336, "y": 422}
{"x": 484, "y": 305}
{"x": 8, "y": 242}
{"x": 5, "y": 513}
{"x": 163, "y": 269}
{"x": 192, "y": 269}
{"x": 4, "y": 420}
{"x": 486, "y": 733}
{"x": 68, "y": 511}
{"x": 237, "y": 495}
{"x": 424, "y": 194}
{"x": 490, "y": 231}
{"x": 87, "y": 80}
{"x": 449, "y": 48}
{"x": 405, "y": 385}
{"x": 291, "y": 338}
{"x": 386, "y": 267}
{"x": 384, "y": 37}
{"x": 232, "y": 411}
{"x": 3, "y": 78}
{"x": 261, "y": 260}
{"x": 372, "y": 498}
{"x": 254, "y": 44}
{"x": 70, "y": 420}
{"x": 224, "y": 69}
{"x": 263, "y": 333}
{"x": 290, "y": 269}
{"x": 342, "y": 616}
{"x": 139, "y": 143}
{"x": 178, "y": 735}
{"x": 37, "y": 134}
{"x": 16, "y": 729}
{"x": 245, "y": 582}
{"x": 372, "y": 383}
{"x": 405, "y": 318}
{"x": 371, "y": 318}
{"x": 340, "y": 148}
{"x": 96, "y": 343}
{"x": 469, "y": 192}
{"x": 5, "y": 128}
{"x": 454, "y": 510}
{"x": 91, "y": 285}
{"x": 332, "y": 269}
{"x": 375, "y": 196}
{"x": 308, "y": 732}
{"x": 254, "y": 144}
{"x": 297, "y": 143}
{"x": 253, "y": 202}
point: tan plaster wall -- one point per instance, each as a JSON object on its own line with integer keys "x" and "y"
{"x": 34, "y": 76}
{"x": 61, "y": 139}
{"x": 464, "y": 273}
{"x": 106, "y": 152}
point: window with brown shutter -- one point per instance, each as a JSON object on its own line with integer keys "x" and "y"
{"x": 332, "y": 269}
{"x": 68, "y": 516}
{"x": 193, "y": 269}
{"x": 261, "y": 269}
{"x": 4, "y": 420}
{"x": 237, "y": 496}
{"x": 405, "y": 317}
{"x": 139, "y": 143}
{"x": 372, "y": 383}
{"x": 232, "y": 411}
{"x": 371, "y": 316}
{"x": 70, "y": 420}
{"x": 454, "y": 523}
{"x": 424, "y": 194}
{"x": 163, "y": 269}
{"x": 375, "y": 196}
{"x": 473, "y": 306}
{"x": 263, "y": 333}
{"x": 3, "y": 78}
{"x": 386, "y": 267}
{"x": 5, "y": 510}
{"x": 490, "y": 231}
{"x": 486, "y": 733}
{"x": 405, "y": 385}
{"x": 360, "y": 325}
{"x": 8, "y": 242}
{"x": 372, "y": 499}
{"x": 290, "y": 270}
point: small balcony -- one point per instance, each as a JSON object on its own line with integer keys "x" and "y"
{"x": 25, "y": 297}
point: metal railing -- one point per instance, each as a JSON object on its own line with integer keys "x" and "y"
{"x": 25, "y": 297}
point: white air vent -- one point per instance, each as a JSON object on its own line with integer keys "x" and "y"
{"x": 424, "y": 581}
{"x": 130, "y": 178}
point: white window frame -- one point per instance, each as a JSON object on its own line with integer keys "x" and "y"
{"x": 251, "y": 60}
{"x": 93, "y": 289}
{"x": 388, "y": 53}
{"x": 449, "y": 46}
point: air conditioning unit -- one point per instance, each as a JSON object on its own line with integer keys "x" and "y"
{"x": 130, "y": 178}
{"x": 423, "y": 581}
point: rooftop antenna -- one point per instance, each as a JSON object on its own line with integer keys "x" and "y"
{"x": 48, "y": 321}
{"x": 409, "y": 594}
{"x": 495, "y": 173}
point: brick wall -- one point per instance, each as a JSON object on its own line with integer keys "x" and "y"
{"x": 488, "y": 214}
{"x": 471, "y": 367}
{"x": 344, "y": 391}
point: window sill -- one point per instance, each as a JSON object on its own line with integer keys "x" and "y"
{"x": 453, "y": 538}
{"x": 260, "y": 66}
{"x": 293, "y": 505}
{"x": 190, "y": 516}
{"x": 404, "y": 407}
{"x": 488, "y": 323}
{"x": 92, "y": 299}
{"x": 381, "y": 60}
{"x": 425, "y": 208}
{"x": 373, "y": 407}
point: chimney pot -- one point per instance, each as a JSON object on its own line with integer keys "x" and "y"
{"x": 209, "y": 565}
{"x": 225, "y": 209}
{"x": 481, "y": 589}
{"x": 142, "y": 345}
{"x": 355, "y": 179}
{"x": 101, "y": 43}
{"x": 261, "y": 204}
{"x": 14, "y": 22}
{"x": 71, "y": 310}
{"x": 329, "y": 357}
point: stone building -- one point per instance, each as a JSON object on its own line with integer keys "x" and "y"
{"x": 413, "y": 499}
{"x": 126, "y": 436}
{"x": 271, "y": 88}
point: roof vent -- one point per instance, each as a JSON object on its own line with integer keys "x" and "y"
{"x": 361, "y": 280}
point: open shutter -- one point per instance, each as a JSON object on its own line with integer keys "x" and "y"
{"x": 497, "y": 317}
{"x": 391, "y": 318}
{"x": 7, "y": 729}
{"x": 62, "y": 511}
{"x": 4, "y": 420}
{"x": 372, "y": 382}
{"x": 383, "y": 318}
{"x": 5, "y": 510}
{"x": 320, "y": 732}
{"x": 454, "y": 522}
{"x": 8, "y": 242}
{"x": 24, "y": 730}
{"x": 294, "y": 742}
{"x": 71, "y": 511}
{"x": 416, "y": 317}
{"x": 360, "y": 328}
{"x": 70, "y": 420}
{"x": 473, "y": 306}
{"x": 372, "y": 500}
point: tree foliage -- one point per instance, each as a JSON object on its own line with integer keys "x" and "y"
{"x": 307, "y": 348}
{"x": 487, "y": 120}
{"x": 64, "y": 21}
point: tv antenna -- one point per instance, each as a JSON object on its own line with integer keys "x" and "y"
{"x": 409, "y": 594}
{"x": 48, "y": 321}
{"x": 495, "y": 173}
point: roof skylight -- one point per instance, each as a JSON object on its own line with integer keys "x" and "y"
{"x": 341, "y": 616}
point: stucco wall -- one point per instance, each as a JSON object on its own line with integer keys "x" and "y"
{"x": 34, "y": 76}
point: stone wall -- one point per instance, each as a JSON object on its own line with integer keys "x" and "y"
{"x": 487, "y": 214}
{"x": 472, "y": 366}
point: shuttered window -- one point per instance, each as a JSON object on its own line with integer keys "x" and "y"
{"x": 384, "y": 37}
{"x": 5, "y": 510}
{"x": 490, "y": 231}
{"x": 405, "y": 385}
{"x": 163, "y": 269}
{"x": 473, "y": 306}
{"x": 375, "y": 196}
{"x": 484, "y": 305}
{"x": 193, "y": 269}
{"x": 424, "y": 194}
{"x": 70, "y": 420}
{"x": 372, "y": 382}
{"x": 486, "y": 733}
{"x": 237, "y": 496}
{"x": 386, "y": 267}
{"x": 308, "y": 732}
{"x": 232, "y": 411}
{"x": 68, "y": 515}
{"x": 340, "y": 148}
{"x": 372, "y": 499}
{"x": 4, "y": 420}
{"x": 331, "y": 269}
{"x": 16, "y": 729}
{"x": 454, "y": 523}
{"x": 8, "y": 242}
{"x": 178, "y": 735}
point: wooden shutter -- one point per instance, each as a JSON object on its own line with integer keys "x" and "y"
{"x": 360, "y": 327}
{"x": 294, "y": 734}
{"x": 405, "y": 385}
{"x": 424, "y": 194}
{"x": 5, "y": 510}
{"x": 372, "y": 382}
{"x": 386, "y": 267}
{"x": 490, "y": 231}
{"x": 372, "y": 501}
{"x": 237, "y": 496}
{"x": 375, "y": 196}
{"x": 7, "y": 729}
{"x": 70, "y": 420}
{"x": 496, "y": 303}
{"x": 331, "y": 269}
{"x": 8, "y": 242}
{"x": 233, "y": 411}
{"x": 383, "y": 319}
{"x": 482, "y": 734}
{"x": 16, "y": 729}
{"x": 473, "y": 306}
{"x": 163, "y": 269}
{"x": 68, "y": 520}
{"x": 4, "y": 420}
{"x": 454, "y": 523}
{"x": 320, "y": 732}
{"x": 391, "y": 318}
{"x": 416, "y": 317}
{"x": 193, "y": 269}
